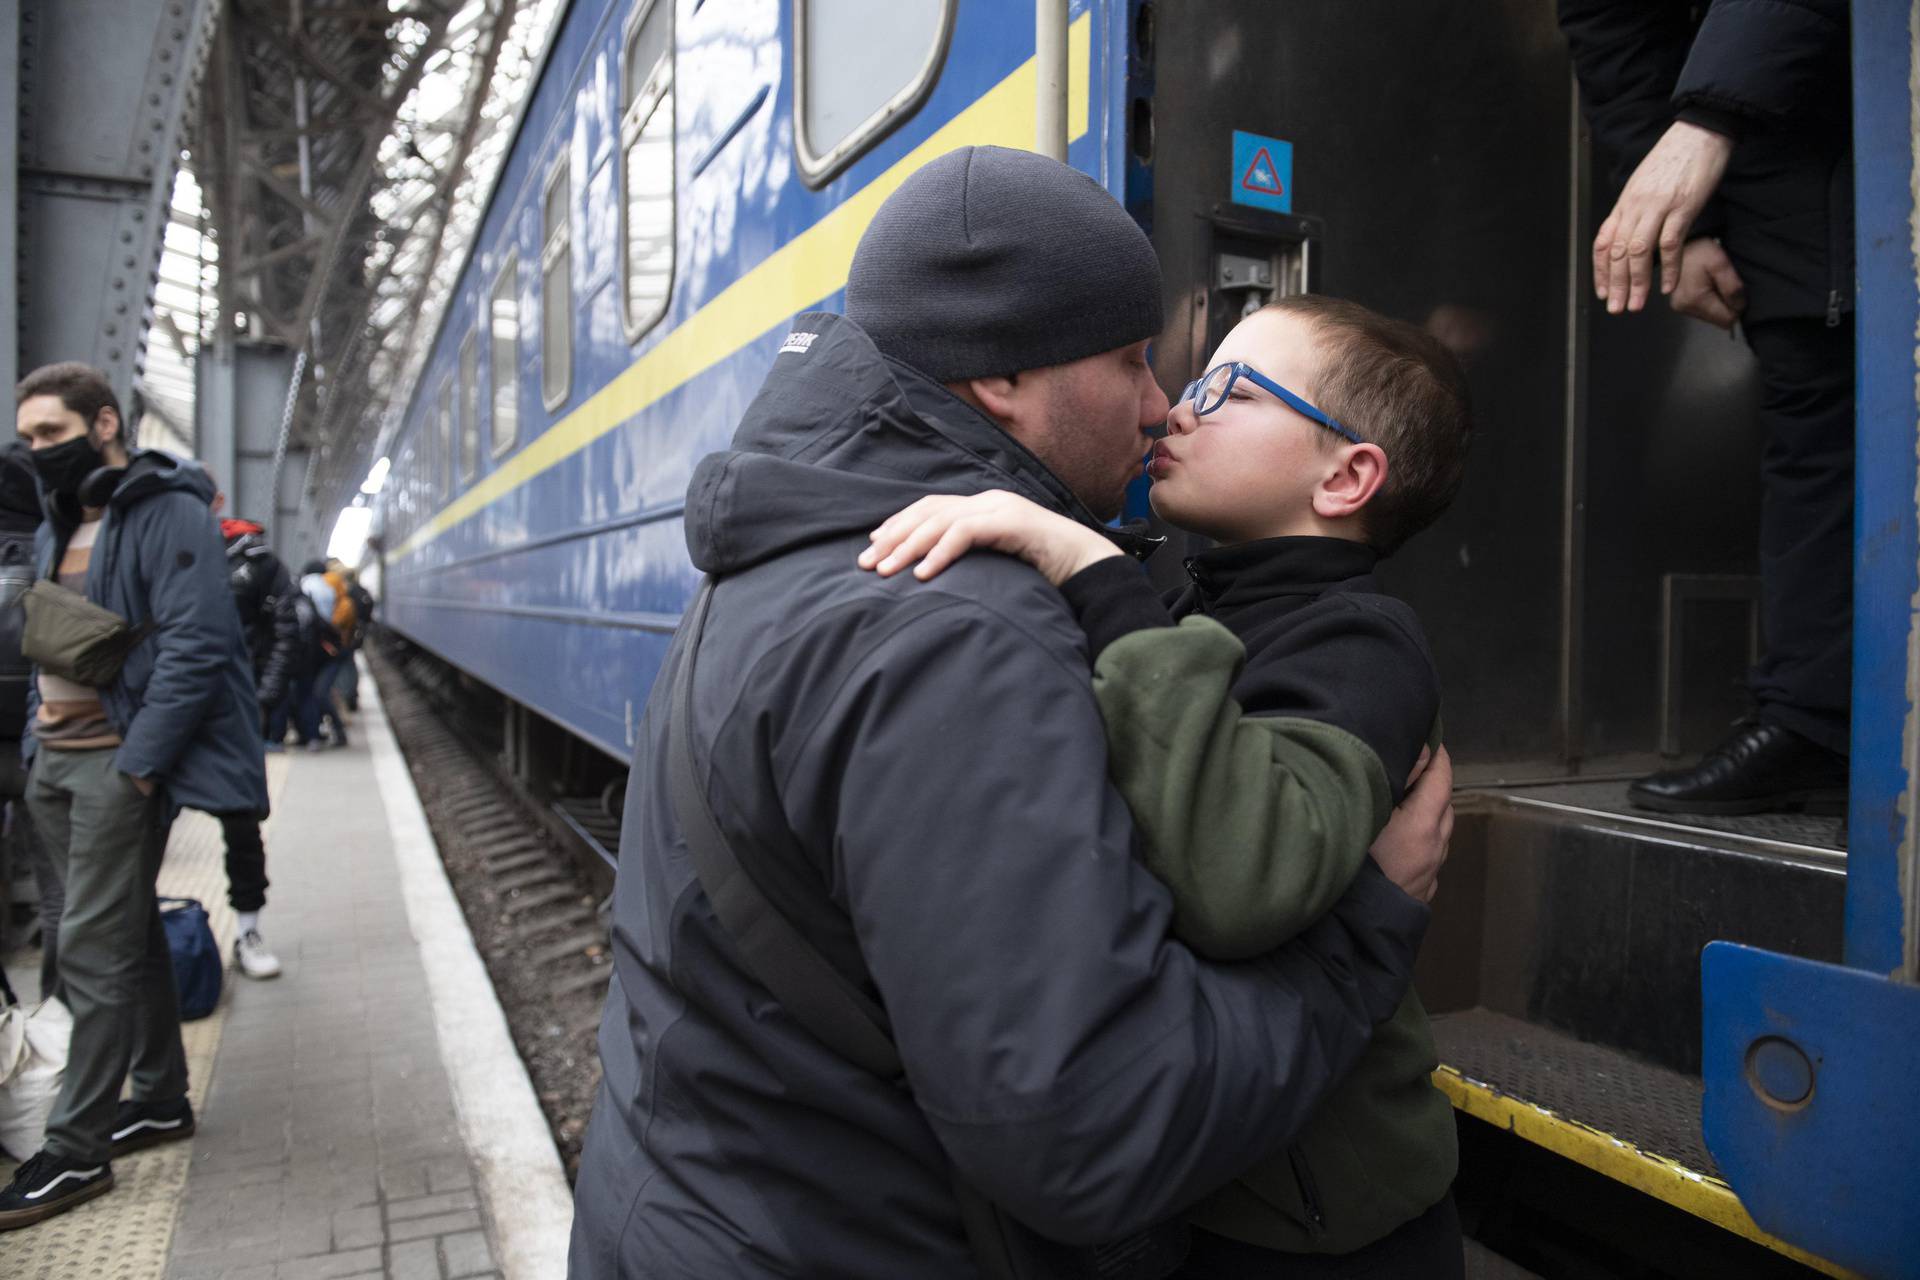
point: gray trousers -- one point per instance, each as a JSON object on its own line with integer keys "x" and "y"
{"x": 106, "y": 841}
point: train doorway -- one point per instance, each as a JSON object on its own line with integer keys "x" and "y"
{"x": 1591, "y": 598}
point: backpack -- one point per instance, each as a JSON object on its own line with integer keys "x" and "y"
{"x": 344, "y": 613}
{"x": 196, "y": 956}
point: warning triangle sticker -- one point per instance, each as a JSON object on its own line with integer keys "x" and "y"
{"x": 1262, "y": 176}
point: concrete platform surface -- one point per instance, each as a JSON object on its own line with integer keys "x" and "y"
{"x": 362, "y": 1115}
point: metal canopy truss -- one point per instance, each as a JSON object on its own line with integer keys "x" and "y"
{"x": 346, "y": 150}
{"x": 103, "y": 89}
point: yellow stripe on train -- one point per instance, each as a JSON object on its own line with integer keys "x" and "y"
{"x": 810, "y": 267}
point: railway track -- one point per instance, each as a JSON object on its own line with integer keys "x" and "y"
{"x": 519, "y": 879}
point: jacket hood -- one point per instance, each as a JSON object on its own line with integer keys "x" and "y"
{"x": 839, "y": 438}
{"x": 152, "y": 471}
{"x": 149, "y": 471}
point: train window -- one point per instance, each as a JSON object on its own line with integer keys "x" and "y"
{"x": 646, "y": 170}
{"x": 469, "y": 411}
{"x": 556, "y": 291}
{"x": 503, "y": 361}
{"x": 443, "y": 444}
{"x": 427, "y": 454}
{"x": 861, "y": 67}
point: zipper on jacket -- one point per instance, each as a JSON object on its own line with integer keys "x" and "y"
{"x": 1833, "y": 308}
{"x": 1309, "y": 1192}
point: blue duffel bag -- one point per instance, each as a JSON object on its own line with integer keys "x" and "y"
{"x": 196, "y": 956}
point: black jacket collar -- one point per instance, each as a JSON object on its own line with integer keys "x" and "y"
{"x": 839, "y": 438}
{"x": 1248, "y": 573}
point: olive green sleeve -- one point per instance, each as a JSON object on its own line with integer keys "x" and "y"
{"x": 1256, "y": 823}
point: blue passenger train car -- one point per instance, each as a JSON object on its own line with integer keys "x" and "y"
{"x": 689, "y": 174}
{"x": 678, "y": 189}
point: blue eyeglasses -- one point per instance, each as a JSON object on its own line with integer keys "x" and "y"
{"x": 1210, "y": 391}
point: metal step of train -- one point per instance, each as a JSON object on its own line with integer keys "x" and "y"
{"x": 1562, "y": 973}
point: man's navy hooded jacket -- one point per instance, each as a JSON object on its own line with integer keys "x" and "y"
{"x": 183, "y": 703}
{"x": 915, "y": 773}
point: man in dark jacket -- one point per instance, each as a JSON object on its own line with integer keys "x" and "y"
{"x": 263, "y": 592}
{"x": 19, "y": 517}
{"x": 916, "y": 776}
{"x": 111, "y": 763}
{"x": 1735, "y": 129}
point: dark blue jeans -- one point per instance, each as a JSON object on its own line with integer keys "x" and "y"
{"x": 298, "y": 706}
{"x": 323, "y": 682}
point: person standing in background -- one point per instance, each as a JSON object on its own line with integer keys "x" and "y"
{"x": 111, "y": 763}
{"x": 1735, "y": 129}
{"x": 263, "y": 592}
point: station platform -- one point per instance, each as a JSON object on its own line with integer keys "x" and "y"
{"x": 365, "y": 1113}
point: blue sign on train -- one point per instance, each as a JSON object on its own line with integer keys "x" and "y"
{"x": 1262, "y": 172}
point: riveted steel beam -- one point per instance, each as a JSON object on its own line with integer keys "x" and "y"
{"x": 104, "y": 89}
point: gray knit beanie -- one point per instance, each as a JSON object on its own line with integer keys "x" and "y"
{"x": 989, "y": 261}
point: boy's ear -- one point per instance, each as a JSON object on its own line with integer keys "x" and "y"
{"x": 1358, "y": 473}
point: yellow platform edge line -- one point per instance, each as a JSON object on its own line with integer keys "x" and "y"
{"x": 1665, "y": 1180}
{"x": 807, "y": 269}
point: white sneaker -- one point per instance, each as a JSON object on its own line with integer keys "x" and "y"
{"x": 251, "y": 957}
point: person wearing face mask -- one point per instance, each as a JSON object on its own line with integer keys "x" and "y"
{"x": 109, "y": 766}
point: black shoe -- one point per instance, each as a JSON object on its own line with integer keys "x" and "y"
{"x": 48, "y": 1184}
{"x": 139, "y": 1125}
{"x": 1762, "y": 768}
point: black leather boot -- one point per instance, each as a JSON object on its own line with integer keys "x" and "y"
{"x": 1761, "y": 768}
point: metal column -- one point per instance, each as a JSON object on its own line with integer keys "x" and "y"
{"x": 241, "y": 387}
{"x": 9, "y": 166}
{"x": 102, "y": 91}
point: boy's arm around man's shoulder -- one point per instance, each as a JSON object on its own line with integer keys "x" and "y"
{"x": 1257, "y": 823}
{"x": 1079, "y": 1066}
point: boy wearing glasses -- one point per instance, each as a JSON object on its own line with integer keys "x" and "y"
{"x": 1322, "y": 437}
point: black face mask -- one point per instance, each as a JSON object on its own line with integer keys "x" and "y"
{"x": 63, "y": 466}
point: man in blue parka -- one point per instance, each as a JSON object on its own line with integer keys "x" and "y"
{"x": 109, "y": 766}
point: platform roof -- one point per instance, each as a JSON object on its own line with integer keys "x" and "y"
{"x": 344, "y": 150}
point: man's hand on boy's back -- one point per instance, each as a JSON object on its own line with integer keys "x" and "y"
{"x": 938, "y": 530}
{"x": 1413, "y": 846}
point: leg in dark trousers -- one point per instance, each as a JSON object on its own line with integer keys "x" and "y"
{"x": 299, "y": 706}
{"x": 312, "y": 717}
{"x": 293, "y": 707}
{"x": 246, "y": 861}
{"x": 107, "y": 839}
{"x": 1803, "y": 682}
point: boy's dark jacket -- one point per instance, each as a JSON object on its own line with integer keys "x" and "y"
{"x": 1258, "y": 850}
{"x": 916, "y": 774}
{"x": 183, "y": 703}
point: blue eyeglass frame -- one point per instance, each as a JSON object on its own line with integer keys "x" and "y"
{"x": 1241, "y": 370}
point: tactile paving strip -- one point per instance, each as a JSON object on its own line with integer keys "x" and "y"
{"x": 125, "y": 1234}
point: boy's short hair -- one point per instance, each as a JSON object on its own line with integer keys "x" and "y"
{"x": 1399, "y": 387}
